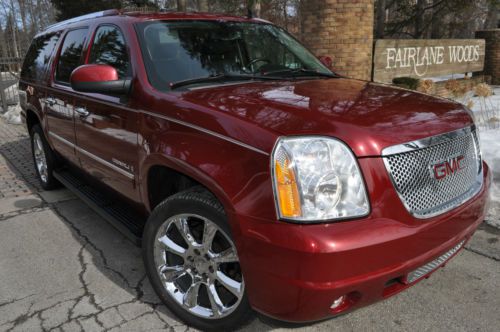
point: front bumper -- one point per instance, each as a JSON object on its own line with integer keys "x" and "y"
{"x": 295, "y": 272}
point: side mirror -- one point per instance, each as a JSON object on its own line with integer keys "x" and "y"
{"x": 99, "y": 79}
{"x": 326, "y": 60}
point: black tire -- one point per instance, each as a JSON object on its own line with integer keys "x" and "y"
{"x": 200, "y": 202}
{"x": 48, "y": 181}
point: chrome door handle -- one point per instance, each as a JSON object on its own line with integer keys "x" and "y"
{"x": 51, "y": 101}
{"x": 82, "y": 111}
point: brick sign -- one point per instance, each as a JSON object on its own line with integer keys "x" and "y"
{"x": 421, "y": 58}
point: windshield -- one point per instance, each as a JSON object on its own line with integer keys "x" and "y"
{"x": 185, "y": 50}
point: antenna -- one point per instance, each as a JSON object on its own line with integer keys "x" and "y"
{"x": 249, "y": 13}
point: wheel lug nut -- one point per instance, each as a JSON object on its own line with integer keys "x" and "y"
{"x": 197, "y": 252}
{"x": 211, "y": 269}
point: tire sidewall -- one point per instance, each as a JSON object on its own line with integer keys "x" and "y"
{"x": 51, "y": 182}
{"x": 162, "y": 212}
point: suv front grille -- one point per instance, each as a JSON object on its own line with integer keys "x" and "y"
{"x": 436, "y": 174}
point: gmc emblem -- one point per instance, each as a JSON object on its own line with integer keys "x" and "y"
{"x": 448, "y": 167}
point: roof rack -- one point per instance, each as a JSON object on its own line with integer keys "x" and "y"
{"x": 109, "y": 12}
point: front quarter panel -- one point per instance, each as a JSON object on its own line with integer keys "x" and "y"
{"x": 237, "y": 175}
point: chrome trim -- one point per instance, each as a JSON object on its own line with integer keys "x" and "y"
{"x": 433, "y": 265}
{"x": 106, "y": 163}
{"x": 443, "y": 208}
{"x": 209, "y": 132}
{"x": 426, "y": 142}
{"x": 94, "y": 157}
{"x": 63, "y": 140}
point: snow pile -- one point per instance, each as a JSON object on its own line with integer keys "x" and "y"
{"x": 13, "y": 115}
{"x": 489, "y": 134}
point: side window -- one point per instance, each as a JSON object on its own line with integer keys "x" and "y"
{"x": 71, "y": 54}
{"x": 109, "y": 48}
{"x": 38, "y": 57}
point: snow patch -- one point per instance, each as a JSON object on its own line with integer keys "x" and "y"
{"x": 487, "y": 115}
{"x": 13, "y": 115}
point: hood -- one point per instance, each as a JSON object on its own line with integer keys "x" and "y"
{"x": 367, "y": 116}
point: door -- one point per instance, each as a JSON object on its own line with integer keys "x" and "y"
{"x": 59, "y": 101}
{"x": 106, "y": 130}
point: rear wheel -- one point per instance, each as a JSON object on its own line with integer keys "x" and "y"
{"x": 44, "y": 158}
{"x": 192, "y": 261}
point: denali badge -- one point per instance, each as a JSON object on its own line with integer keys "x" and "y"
{"x": 442, "y": 169}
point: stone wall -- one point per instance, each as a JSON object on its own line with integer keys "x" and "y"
{"x": 492, "y": 56}
{"x": 342, "y": 30}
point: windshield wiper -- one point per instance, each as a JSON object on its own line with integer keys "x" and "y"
{"x": 308, "y": 72}
{"x": 219, "y": 77}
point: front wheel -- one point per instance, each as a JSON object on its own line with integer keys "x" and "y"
{"x": 192, "y": 261}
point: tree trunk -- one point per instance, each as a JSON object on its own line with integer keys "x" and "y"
{"x": 181, "y": 5}
{"x": 285, "y": 14}
{"x": 255, "y": 7}
{"x": 492, "y": 21}
{"x": 15, "y": 48}
{"x": 419, "y": 19}
{"x": 380, "y": 19}
{"x": 23, "y": 38}
{"x": 3, "y": 49}
{"x": 203, "y": 6}
{"x": 435, "y": 21}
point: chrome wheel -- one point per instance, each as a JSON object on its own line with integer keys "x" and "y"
{"x": 198, "y": 266}
{"x": 40, "y": 158}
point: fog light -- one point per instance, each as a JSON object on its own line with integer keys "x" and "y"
{"x": 338, "y": 302}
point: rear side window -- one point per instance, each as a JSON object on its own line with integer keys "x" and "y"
{"x": 109, "y": 48}
{"x": 71, "y": 54}
{"x": 38, "y": 57}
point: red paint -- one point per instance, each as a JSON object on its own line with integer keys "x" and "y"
{"x": 326, "y": 60}
{"x": 292, "y": 272}
{"x": 94, "y": 73}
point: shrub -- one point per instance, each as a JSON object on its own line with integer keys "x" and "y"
{"x": 406, "y": 82}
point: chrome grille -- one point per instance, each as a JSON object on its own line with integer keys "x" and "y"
{"x": 410, "y": 166}
{"x": 431, "y": 266}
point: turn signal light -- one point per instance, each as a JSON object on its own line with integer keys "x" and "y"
{"x": 288, "y": 193}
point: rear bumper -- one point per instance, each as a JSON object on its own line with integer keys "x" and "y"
{"x": 295, "y": 272}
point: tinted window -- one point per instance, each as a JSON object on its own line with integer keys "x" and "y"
{"x": 71, "y": 54}
{"x": 109, "y": 48}
{"x": 178, "y": 51}
{"x": 38, "y": 57}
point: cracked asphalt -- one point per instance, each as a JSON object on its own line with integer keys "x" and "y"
{"x": 63, "y": 268}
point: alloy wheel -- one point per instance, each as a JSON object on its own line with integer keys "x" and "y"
{"x": 40, "y": 158}
{"x": 198, "y": 266}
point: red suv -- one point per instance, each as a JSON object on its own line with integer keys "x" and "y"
{"x": 254, "y": 177}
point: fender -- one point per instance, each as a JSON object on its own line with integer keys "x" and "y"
{"x": 182, "y": 167}
{"x": 239, "y": 177}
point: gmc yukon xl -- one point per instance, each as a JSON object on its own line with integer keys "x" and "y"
{"x": 252, "y": 175}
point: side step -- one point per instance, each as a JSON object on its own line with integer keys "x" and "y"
{"x": 118, "y": 214}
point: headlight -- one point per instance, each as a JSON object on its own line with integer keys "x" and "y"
{"x": 317, "y": 178}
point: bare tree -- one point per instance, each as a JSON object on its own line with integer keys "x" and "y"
{"x": 255, "y": 6}
{"x": 181, "y": 5}
{"x": 202, "y": 5}
{"x": 380, "y": 19}
{"x": 492, "y": 20}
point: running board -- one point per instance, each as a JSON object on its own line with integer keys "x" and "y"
{"x": 118, "y": 214}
